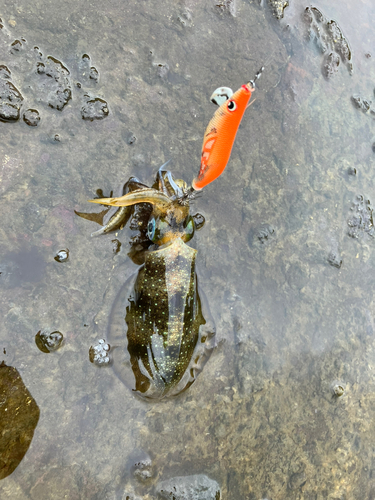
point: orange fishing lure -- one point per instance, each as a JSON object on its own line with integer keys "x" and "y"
{"x": 220, "y": 135}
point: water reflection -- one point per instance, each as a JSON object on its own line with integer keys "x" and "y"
{"x": 19, "y": 415}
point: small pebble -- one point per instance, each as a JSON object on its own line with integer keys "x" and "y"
{"x": 334, "y": 260}
{"x": 142, "y": 469}
{"x": 98, "y": 353}
{"x": 116, "y": 246}
{"x": 199, "y": 221}
{"x": 62, "y": 256}
{"x": 94, "y": 108}
{"x": 48, "y": 342}
{"x": 31, "y": 117}
{"x": 131, "y": 139}
{"x": 338, "y": 390}
{"x": 94, "y": 74}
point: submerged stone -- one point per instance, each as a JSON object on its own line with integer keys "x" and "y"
{"x": 4, "y": 72}
{"x": 31, "y": 117}
{"x": 10, "y": 100}
{"x": 186, "y": 18}
{"x": 94, "y": 74}
{"x": 116, "y": 246}
{"x": 161, "y": 69}
{"x": 330, "y": 65}
{"x": 54, "y": 83}
{"x": 297, "y": 480}
{"x": 362, "y": 220}
{"x": 334, "y": 259}
{"x": 338, "y": 390}
{"x": 329, "y": 38}
{"x": 278, "y": 7}
{"x": 361, "y": 103}
{"x": 48, "y": 342}
{"x": 197, "y": 487}
{"x": 142, "y": 468}
{"x": 94, "y": 108}
{"x": 131, "y": 139}
{"x": 265, "y": 232}
{"x": 228, "y": 6}
{"x": 16, "y": 46}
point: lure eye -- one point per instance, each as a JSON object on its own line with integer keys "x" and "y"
{"x": 232, "y": 105}
{"x": 151, "y": 229}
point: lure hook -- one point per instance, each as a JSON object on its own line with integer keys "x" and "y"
{"x": 256, "y": 77}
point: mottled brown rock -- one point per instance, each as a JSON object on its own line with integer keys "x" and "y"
{"x": 19, "y": 415}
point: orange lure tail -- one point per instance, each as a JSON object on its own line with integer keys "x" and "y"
{"x": 220, "y": 135}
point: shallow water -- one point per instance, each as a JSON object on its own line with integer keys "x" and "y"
{"x": 262, "y": 418}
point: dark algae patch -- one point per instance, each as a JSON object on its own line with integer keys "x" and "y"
{"x": 19, "y": 415}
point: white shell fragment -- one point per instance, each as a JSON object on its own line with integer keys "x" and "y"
{"x": 98, "y": 353}
{"x": 221, "y": 95}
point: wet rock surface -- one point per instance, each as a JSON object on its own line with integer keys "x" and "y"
{"x": 198, "y": 487}
{"x": 263, "y": 410}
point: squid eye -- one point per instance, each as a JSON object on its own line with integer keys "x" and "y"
{"x": 151, "y": 229}
{"x": 232, "y": 105}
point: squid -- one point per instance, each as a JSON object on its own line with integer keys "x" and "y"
{"x": 160, "y": 329}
